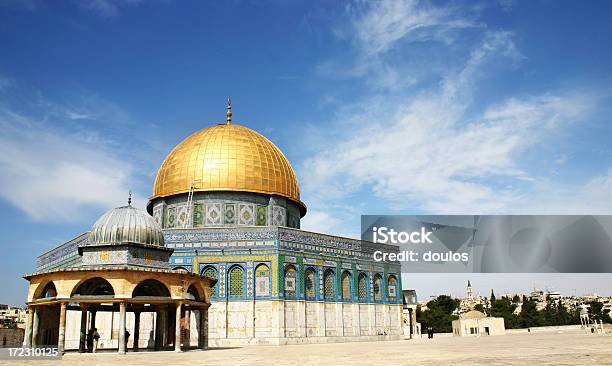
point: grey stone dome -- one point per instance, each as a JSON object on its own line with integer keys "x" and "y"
{"x": 126, "y": 225}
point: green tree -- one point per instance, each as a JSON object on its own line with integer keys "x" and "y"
{"x": 9, "y": 323}
{"x": 492, "y": 297}
{"x": 596, "y": 312}
{"x": 504, "y": 308}
{"x": 439, "y": 314}
{"x": 529, "y": 316}
{"x": 565, "y": 316}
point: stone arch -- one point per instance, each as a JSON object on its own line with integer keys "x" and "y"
{"x": 362, "y": 287}
{"x": 194, "y": 293}
{"x": 151, "y": 288}
{"x": 236, "y": 281}
{"x": 310, "y": 283}
{"x": 182, "y": 269}
{"x": 46, "y": 290}
{"x": 94, "y": 286}
{"x": 377, "y": 287}
{"x": 345, "y": 281}
{"x": 329, "y": 284}
{"x": 262, "y": 280}
{"x": 211, "y": 272}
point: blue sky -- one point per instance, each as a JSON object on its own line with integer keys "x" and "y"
{"x": 382, "y": 107}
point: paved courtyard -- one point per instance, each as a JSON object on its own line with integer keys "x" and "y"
{"x": 511, "y": 349}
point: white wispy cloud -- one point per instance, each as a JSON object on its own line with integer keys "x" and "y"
{"x": 438, "y": 150}
{"x": 377, "y": 27}
{"x": 380, "y": 25}
{"x": 54, "y": 173}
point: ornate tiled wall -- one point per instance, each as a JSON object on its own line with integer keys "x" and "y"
{"x": 218, "y": 209}
{"x": 246, "y": 214}
{"x": 62, "y": 255}
{"x": 128, "y": 255}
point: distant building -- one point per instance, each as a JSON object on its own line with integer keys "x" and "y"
{"x": 18, "y": 315}
{"x": 470, "y": 301}
{"x": 470, "y": 292}
{"x": 475, "y": 323}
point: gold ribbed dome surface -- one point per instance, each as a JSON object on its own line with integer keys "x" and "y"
{"x": 227, "y": 157}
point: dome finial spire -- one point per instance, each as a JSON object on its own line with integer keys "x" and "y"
{"x": 228, "y": 120}
{"x": 130, "y": 198}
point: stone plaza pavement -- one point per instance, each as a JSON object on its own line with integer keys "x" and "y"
{"x": 512, "y": 349}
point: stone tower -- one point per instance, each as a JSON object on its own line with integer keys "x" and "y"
{"x": 470, "y": 293}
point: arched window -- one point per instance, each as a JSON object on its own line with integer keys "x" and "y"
{"x": 377, "y": 288}
{"x": 309, "y": 284}
{"x": 262, "y": 280}
{"x": 346, "y": 285}
{"x": 96, "y": 286}
{"x": 193, "y": 293}
{"x": 48, "y": 291}
{"x": 290, "y": 280}
{"x": 236, "y": 282}
{"x": 328, "y": 283}
{"x": 151, "y": 288}
{"x": 362, "y": 287}
{"x": 392, "y": 288}
{"x": 211, "y": 272}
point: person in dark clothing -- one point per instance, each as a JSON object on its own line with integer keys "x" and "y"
{"x": 90, "y": 340}
{"x": 95, "y": 336}
{"x": 127, "y": 337}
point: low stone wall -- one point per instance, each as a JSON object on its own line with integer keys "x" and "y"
{"x": 547, "y": 329}
{"x": 11, "y": 337}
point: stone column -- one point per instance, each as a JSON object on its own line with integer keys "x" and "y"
{"x": 136, "y": 335}
{"x": 28, "y": 333}
{"x": 162, "y": 325}
{"x": 158, "y": 330}
{"x": 122, "y": 328}
{"x": 203, "y": 336}
{"x": 83, "y": 335}
{"x": 177, "y": 328}
{"x": 93, "y": 318}
{"x": 61, "y": 340}
{"x": 35, "y": 325}
{"x": 187, "y": 326}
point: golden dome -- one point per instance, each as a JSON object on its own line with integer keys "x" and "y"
{"x": 227, "y": 157}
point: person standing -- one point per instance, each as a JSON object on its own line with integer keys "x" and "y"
{"x": 127, "y": 337}
{"x": 95, "y": 337}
